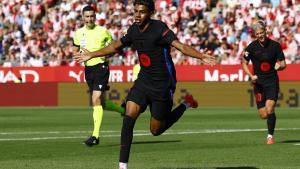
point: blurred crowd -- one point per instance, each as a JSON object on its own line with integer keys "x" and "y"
{"x": 39, "y": 32}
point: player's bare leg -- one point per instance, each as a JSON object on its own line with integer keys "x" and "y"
{"x": 263, "y": 113}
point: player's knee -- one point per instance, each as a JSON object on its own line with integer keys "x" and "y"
{"x": 156, "y": 127}
{"x": 96, "y": 101}
{"x": 263, "y": 116}
{"x": 263, "y": 113}
{"x": 270, "y": 106}
{"x": 270, "y": 109}
{"x": 155, "y": 132}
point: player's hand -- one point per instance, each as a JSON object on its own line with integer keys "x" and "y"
{"x": 209, "y": 59}
{"x": 82, "y": 56}
{"x": 253, "y": 78}
{"x": 277, "y": 66}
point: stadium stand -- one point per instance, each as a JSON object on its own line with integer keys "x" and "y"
{"x": 39, "y": 32}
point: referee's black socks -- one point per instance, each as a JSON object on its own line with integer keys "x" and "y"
{"x": 271, "y": 122}
{"x": 126, "y": 138}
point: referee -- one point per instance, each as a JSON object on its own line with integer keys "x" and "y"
{"x": 94, "y": 37}
{"x": 267, "y": 58}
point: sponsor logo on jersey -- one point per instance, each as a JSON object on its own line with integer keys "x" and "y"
{"x": 145, "y": 60}
{"x": 265, "y": 66}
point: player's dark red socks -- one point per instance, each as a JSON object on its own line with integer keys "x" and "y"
{"x": 271, "y": 122}
{"x": 126, "y": 138}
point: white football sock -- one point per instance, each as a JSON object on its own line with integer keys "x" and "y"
{"x": 122, "y": 165}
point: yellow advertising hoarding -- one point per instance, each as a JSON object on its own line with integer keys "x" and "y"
{"x": 208, "y": 94}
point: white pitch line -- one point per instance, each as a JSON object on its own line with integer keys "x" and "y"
{"x": 298, "y": 144}
{"x": 142, "y": 131}
{"x": 147, "y": 133}
{"x": 52, "y": 132}
{"x": 62, "y": 132}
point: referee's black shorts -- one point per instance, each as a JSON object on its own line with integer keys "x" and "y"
{"x": 97, "y": 77}
{"x": 158, "y": 96}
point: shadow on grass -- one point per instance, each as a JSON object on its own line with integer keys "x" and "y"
{"x": 244, "y": 167}
{"x": 156, "y": 142}
{"x": 290, "y": 141}
{"x": 241, "y": 167}
{"x": 148, "y": 142}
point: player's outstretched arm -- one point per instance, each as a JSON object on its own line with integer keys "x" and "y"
{"x": 187, "y": 50}
{"x": 85, "y": 55}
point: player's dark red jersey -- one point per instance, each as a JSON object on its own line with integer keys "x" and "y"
{"x": 153, "y": 48}
{"x": 264, "y": 57}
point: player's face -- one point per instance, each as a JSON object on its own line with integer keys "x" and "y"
{"x": 89, "y": 18}
{"x": 141, "y": 15}
{"x": 260, "y": 34}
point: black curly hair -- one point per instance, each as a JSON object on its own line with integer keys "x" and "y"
{"x": 148, "y": 3}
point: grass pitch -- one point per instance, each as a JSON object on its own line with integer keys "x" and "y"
{"x": 205, "y": 138}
